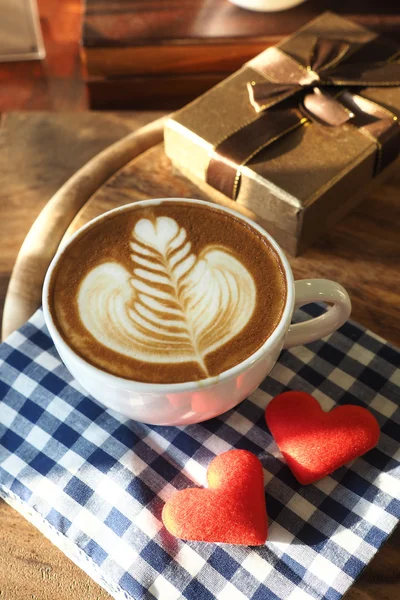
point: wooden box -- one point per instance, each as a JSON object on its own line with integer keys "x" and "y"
{"x": 164, "y": 53}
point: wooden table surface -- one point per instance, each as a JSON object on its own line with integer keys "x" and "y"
{"x": 38, "y": 152}
{"x": 55, "y": 83}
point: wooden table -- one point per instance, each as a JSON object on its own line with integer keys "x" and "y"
{"x": 40, "y": 151}
{"x": 55, "y": 83}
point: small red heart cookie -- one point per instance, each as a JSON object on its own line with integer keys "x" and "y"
{"x": 314, "y": 442}
{"x": 232, "y": 510}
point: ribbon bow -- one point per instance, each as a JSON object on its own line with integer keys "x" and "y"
{"x": 320, "y": 88}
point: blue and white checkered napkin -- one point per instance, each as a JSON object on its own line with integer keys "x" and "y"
{"x": 95, "y": 482}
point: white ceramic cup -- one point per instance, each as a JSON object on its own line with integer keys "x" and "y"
{"x": 267, "y": 5}
{"x": 195, "y": 401}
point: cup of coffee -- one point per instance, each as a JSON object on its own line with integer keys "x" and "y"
{"x": 172, "y": 311}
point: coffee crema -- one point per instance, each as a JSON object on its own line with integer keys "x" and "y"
{"x": 167, "y": 293}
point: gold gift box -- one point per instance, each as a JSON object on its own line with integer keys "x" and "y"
{"x": 303, "y": 183}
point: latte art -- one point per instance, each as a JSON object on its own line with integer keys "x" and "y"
{"x": 167, "y": 292}
{"x": 174, "y": 306}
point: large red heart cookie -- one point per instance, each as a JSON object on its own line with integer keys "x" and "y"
{"x": 232, "y": 510}
{"x": 314, "y": 442}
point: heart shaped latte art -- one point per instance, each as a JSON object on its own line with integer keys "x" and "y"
{"x": 174, "y": 306}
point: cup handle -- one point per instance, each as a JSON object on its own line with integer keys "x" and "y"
{"x": 318, "y": 290}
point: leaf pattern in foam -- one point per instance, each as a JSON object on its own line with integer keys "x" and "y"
{"x": 174, "y": 307}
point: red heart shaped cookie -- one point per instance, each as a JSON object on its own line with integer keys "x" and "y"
{"x": 314, "y": 442}
{"x": 232, "y": 510}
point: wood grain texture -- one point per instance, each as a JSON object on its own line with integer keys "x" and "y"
{"x": 164, "y": 53}
{"x": 182, "y": 59}
{"x": 141, "y": 22}
{"x": 163, "y": 92}
{"x": 31, "y": 568}
{"x": 142, "y": 37}
{"x": 362, "y": 253}
{"x": 55, "y": 83}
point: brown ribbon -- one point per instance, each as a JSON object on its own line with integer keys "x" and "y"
{"x": 317, "y": 91}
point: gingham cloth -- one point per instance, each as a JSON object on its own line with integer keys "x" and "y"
{"x": 95, "y": 482}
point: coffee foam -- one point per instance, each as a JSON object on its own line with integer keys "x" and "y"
{"x": 168, "y": 294}
{"x": 174, "y": 307}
